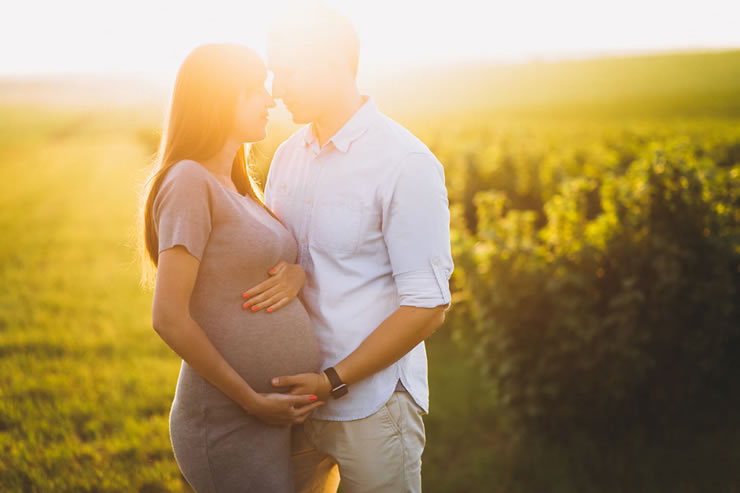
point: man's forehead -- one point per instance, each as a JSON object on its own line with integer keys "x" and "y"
{"x": 278, "y": 53}
{"x": 282, "y": 58}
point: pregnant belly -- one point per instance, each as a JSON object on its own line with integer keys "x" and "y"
{"x": 261, "y": 345}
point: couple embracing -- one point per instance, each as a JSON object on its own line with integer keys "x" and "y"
{"x": 300, "y": 315}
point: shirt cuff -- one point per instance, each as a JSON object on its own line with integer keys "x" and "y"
{"x": 425, "y": 289}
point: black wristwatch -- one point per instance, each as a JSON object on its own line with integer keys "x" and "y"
{"x": 338, "y": 388}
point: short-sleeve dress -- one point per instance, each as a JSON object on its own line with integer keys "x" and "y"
{"x": 218, "y": 446}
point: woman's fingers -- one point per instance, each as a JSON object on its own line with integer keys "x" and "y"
{"x": 263, "y": 300}
{"x": 303, "y": 418}
{"x": 298, "y": 401}
{"x": 286, "y": 409}
{"x": 278, "y": 268}
{"x": 268, "y": 302}
{"x": 281, "y": 302}
{"x": 260, "y": 288}
{"x": 276, "y": 291}
{"x": 304, "y": 410}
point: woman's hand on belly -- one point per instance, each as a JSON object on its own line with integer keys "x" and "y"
{"x": 276, "y": 291}
{"x": 284, "y": 409}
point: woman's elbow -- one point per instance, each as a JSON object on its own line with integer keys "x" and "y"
{"x": 163, "y": 321}
{"x": 159, "y": 323}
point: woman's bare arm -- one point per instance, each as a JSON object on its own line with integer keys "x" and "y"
{"x": 176, "y": 275}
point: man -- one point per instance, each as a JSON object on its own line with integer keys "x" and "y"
{"x": 367, "y": 203}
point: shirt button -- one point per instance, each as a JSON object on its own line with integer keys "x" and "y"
{"x": 308, "y": 201}
{"x": 303, "y": 239}
{"x": 435, "y": 261}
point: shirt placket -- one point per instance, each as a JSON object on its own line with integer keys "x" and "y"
{"x": 308, "y": 199}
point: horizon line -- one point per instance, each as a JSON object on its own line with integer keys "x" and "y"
{"x": 397, "y": 65}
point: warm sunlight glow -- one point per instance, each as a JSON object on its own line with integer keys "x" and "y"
{"x": 151, "y": 38}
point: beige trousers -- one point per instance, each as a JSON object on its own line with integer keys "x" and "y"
{"x": 379, "y": 453}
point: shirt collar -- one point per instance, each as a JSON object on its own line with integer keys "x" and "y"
{"x": 350, "y": 131}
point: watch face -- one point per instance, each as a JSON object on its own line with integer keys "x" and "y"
{"x": 339, "y": 391}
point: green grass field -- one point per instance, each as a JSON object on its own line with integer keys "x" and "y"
{"x": 86, "y": 384}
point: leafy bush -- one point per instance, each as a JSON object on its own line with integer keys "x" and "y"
{"x": 617, "y": 299}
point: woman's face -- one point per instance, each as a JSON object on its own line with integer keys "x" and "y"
{"x": 252, "y": 114}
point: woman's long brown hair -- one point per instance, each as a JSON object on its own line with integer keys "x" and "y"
{"x": 199, "y": 120}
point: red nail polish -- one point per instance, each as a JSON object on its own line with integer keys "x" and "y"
{"x": 245, "y": 295}
{"x": 269, "y": 310}
{"x": 245, "y": 305}
{"x": 313, "y": 397}
{"x": 272, "y": 271}
{"x": 255, "y": 308}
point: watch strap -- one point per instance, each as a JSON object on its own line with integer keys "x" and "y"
{"x": 338, "y": 388}
{"x": 334, "y": 379}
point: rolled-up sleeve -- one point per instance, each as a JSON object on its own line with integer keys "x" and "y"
{"x": 416, "y": 229}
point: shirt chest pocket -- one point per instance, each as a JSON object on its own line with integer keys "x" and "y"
{"x": 283, "y": 204}
{"x": 336, "y": 224}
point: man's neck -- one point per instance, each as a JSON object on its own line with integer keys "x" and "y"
{"x": 339, "y": 114}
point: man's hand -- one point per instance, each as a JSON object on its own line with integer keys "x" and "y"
{"x": 306, "y": 383}
{"x": 284, "y": 409}
{"x": 283, "y": 285}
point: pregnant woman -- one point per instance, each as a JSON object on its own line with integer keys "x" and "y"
{"x": 208, "y": 233}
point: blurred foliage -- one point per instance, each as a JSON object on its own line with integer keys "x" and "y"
{"x": 601, "y": 274}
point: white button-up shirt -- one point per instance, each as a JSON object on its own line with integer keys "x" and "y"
{"x": 370, "y": 213}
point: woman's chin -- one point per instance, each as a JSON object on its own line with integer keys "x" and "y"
{"x": 256, "y": 135}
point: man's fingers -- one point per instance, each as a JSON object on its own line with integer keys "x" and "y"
{"x": 285, "y": 381}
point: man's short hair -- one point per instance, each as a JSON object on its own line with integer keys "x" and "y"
{"x": 313, "y": 25}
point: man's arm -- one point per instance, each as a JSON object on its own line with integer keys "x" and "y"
{"x": 416, "y": 233}
{"x": 397, "y": 335}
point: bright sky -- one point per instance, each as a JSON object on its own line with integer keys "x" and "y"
{"x": 150, "y": 38}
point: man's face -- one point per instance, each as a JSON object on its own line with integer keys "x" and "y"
{"x": 303, "y": 80}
